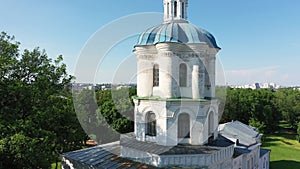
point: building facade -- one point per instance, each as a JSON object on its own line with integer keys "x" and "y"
{"x": 176, "y": 81}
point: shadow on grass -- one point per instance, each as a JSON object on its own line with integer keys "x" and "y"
{"x": 269, "y": 144}
{"x": 269, "y": 139}
{"x": 285, "y": 142}
{"x": 285, "y": 164}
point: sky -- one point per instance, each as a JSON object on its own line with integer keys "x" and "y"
{"x": 260, "y": 39}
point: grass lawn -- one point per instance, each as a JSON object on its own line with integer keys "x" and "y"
{"x": 285, "y": 151}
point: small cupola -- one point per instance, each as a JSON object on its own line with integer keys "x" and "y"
{"x": 175, "y": 10}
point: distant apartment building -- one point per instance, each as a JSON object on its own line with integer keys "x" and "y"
{"x": 78, "y": 87}
{"x": 254, "y": 86}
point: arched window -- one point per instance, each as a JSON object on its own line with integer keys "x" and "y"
{"x": 182, "y": 75}
{"x": 150, "y": 124}
{"x": 211, "y": 123}
{"x": 175, "y": 9}
{"x": 168, "y": 9}
{"x": 156, "y": 75}
{"x": 184, "y": 126}
{"x": 182, "y": 10}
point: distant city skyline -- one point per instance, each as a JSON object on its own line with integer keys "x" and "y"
{"x": 260, "y": 40}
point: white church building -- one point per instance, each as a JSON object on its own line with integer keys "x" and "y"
{"x": 176, "y": 112}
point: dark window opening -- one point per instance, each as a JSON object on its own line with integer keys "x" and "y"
{"x": 183, "y": 75}
{"x": 184, "y": 126}
{"x": 175, "y": 9}
{"x": 182, "y": 10}
{"x": 168, "y": 9}
{"x": 150, "y": 124}
{"x": 211, "y": 123}
{"x": 155, "y": 75}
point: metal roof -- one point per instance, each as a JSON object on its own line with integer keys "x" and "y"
{"x": 180, "y": 32}
{"x": 246, "y": 135}
{"x": 100, "y": 157}
{"x": 108, "y": 155}
{"x": 129, "y": 141}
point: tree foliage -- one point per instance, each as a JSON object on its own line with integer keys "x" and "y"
{"x": 37, "y": 120}
{"x": 105, "y": 114}
{"x": 288, "y": 103}
{"x": 298, "y": 132}
{"x": 116, "y": 108}
{"x": 263, "y": 108}
{"x": 237, "y": 106}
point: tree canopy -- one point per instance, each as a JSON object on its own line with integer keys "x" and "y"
{"x": 104, "y": 115}
{"x": 37, "y": 119}
{"x": 263, "y": 108}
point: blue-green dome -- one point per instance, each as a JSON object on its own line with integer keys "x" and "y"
{"x": 180, "y": 32}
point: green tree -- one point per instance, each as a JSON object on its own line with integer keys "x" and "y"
{"x": 237, "y": 105}
{"x": 298, "y": 132}
{"x": 21, "y": 151}
{"x": 263, "y": 109}
{"x": 105, "y": 114}
{"x": 116, "y": 107}
{"x": 261, "y": 126}
{"x": 60, "y": 119}
{"x": 86, "y": 110}
{"x": 116, "y": 110}
{"x": 288, "y": 104}
{"x": 255, "y": 107}
{"x": 36, "y": 116}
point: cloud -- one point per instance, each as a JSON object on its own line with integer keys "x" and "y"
{"x": 249, "y": 76}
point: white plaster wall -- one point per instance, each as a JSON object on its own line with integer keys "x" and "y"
{"x": 140, "y": 156}
{"x": 190, "y": 59}
{"x": 136, "y": 119}
{"x": 267, "y": 162}
{"x": 167, "y": 120}
{"x": 215, "y": 109}
{"x": 145, "y": 58}
{"x": 212, "y": 74}
{"x": 144, "y": 77}
{"x": 164, "y": 90}
{"x": 162, "y": 131}
{"x": 197, "y": 132}
{"x": 169, "y": 56}
{"x": 255, "y": 154}
{"x": 222, "y": 159}
{"x": 214, "y": 160}
{"x": 195, "y": 82}
{"x": 237, "y": 162}
{"x": 143, "y": 107}
{"x": 244, "y": 163}
{"x": 175, "y": 76}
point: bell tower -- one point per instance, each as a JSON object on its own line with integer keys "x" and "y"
{"x": 175, "y": 10}
{"x": 175, "y": 101}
